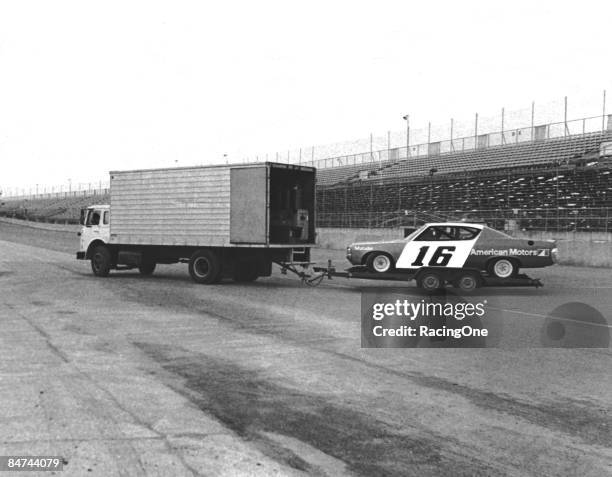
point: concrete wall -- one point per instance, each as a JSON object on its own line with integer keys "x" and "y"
{"x": 42, "y": 225}
{"x": 588, "y": 249}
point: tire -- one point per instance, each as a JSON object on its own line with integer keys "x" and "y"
{"x": 503, "y": 268}
{"x": 147, "y": 267}
{"x": 101, "y": 261}
{"x": 379, "y": 262}
{"x": 245, "y": 272}
{"x": 430, "y": 281}
{"x": 205, "y": 267}
{"x": 467, "y": 282}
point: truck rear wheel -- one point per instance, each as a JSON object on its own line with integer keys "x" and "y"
{"x": 101, "y": 261}
{"x": 205, "y": 267}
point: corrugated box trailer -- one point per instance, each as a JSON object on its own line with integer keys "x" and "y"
{"x": 228, "y": 220}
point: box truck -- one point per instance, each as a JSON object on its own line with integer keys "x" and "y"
{"x": 224, "y": 221}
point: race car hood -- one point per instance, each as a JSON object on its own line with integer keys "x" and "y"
{"x": 365, "y": 246}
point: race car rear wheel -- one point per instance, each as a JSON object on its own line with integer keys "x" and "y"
{"x": 380, "y": 262}
{"x": 430, "y": 281}
{"x": 503, "y": 268}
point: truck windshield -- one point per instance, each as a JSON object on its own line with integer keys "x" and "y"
{"x": 93, "y": 217}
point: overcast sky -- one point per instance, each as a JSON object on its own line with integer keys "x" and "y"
{"x": 88, "y": 87}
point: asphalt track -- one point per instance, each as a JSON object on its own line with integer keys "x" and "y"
{"x": 160, "y": 376}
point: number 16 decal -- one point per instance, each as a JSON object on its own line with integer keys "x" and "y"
{"x": 440, "y": 258}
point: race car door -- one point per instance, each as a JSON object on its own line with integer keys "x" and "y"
{"x": 439, "y": 246}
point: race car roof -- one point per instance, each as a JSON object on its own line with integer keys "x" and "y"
{"x": 455, "y": 224}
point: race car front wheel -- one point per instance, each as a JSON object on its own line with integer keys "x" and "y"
{"x": 379, "y": 263}
{"x": 503, "y": 268}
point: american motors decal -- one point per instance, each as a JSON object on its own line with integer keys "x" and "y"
{"x": 517, "y": 252}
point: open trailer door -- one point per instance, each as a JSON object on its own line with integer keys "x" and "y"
{"x": 249, "y": 205}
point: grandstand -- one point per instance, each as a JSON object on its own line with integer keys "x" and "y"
{"x": 528, "y": 154}
{"x": 560, "y": 183}
{"x": 53, "y": 208}
{"x": 551, "y": 184}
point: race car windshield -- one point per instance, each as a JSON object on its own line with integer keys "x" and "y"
{"x": 414, "y": 234}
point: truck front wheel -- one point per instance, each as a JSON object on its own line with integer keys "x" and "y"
{"x": 205, "y": 267}
{"x": 101, "y": 261}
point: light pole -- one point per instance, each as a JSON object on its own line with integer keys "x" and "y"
{"x": 407, "y": 119}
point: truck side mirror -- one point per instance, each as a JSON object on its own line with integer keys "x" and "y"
{"x": 82, "y": 217}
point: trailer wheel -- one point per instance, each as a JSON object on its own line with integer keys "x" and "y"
{"x": 379, "y": 262}
{"x": 503, "y": 268}
{"x": 205, "y": 267}
{"x": 430, "y": 281}
{"x": 147, "y": 267}
{"x": 101, "y": 261}
{"x": 467, "y": 282}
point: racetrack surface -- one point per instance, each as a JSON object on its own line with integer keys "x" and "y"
{"x": 160, "y": 376}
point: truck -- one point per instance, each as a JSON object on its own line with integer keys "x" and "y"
{"x": 224, "y": 221}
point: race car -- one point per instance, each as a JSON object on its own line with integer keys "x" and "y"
{"x": 455, "y": 245}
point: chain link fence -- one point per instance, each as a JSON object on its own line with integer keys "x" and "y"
{"x": 537, "y": 219}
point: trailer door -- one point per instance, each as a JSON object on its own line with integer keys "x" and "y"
{"x": 249, "y": 205}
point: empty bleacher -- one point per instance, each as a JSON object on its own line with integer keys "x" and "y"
{"x": 568, "y": 191}
{"x": 563, "y": 179}
{"x": 562, "y": 150}
{"x": 64, "y": 208}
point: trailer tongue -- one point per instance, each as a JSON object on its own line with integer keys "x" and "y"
{"x": 428, "y": 278}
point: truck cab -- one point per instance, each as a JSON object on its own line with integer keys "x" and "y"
{"x": 95, "y": 228}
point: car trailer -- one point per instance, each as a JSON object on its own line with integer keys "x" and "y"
{"x": 427, "y": 278}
